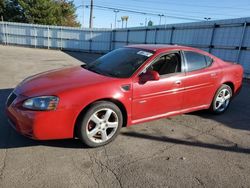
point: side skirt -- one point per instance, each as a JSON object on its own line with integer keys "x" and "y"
{"x": 168, "y": 114}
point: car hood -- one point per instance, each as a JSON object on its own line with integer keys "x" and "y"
{"x": 55, "y": 81}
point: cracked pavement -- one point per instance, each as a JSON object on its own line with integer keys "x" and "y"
{"x": 191, "y": 150}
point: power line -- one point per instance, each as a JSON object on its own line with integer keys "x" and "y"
{"x": 174, "y": 10}
{"x": 194, "y": 5}
{"x": 147, "y": 13}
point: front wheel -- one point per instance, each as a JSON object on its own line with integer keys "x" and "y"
{"x": 221, "y": 99}
{"x": 101, "y": 124}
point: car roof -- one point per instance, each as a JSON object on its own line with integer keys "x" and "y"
{"x": 162, "y": 47}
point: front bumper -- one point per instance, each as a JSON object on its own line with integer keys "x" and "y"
{"x": 40, "y": 125}
{"x": 23, "y": 127}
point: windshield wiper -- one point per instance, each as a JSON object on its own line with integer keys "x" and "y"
{"x": 92, "y": 69}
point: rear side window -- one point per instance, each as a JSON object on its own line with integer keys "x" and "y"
{"x": 196, "y": 61}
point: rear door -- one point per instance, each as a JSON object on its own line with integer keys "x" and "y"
{"x": 200, "y": 80}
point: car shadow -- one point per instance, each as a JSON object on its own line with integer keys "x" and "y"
{"x": 166, "y": 139}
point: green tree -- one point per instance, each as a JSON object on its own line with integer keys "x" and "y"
{"x": 39, "y": 11}
{"x": 2, "y": 7}
{"x": 66, "y": 13}
{"x": 46, "y": 12}
{"x": 11, "y": 11}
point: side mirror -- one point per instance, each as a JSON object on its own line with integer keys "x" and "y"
{"x": 150, "y": 75}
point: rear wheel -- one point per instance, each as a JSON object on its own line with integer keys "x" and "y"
{"x": 101, "y": 124}
{"x": 221, "y": 99}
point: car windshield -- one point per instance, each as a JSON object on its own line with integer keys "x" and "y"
{"x": 120, "y": 63}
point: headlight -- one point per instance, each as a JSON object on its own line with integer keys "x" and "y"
{"x": 41, "y": 103}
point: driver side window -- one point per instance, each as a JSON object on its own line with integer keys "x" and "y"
{"x": 167, "y": 64}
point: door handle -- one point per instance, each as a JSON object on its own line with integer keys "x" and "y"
{"x": 213, "y": 74}
{"x": 178, "y": 82}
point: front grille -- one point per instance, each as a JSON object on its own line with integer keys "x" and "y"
{"x": 10, "y": 99}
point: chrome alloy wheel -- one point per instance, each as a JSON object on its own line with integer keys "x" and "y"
{"x": 222, "y": 100}
{"x": 102, "y": 125}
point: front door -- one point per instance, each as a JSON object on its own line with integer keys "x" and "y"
{"x": 160, "y": 97}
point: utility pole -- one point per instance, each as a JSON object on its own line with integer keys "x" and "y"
{"x": 82, "y": 13}
{"x": 91, "y": 15}
{"x": 165, "y": 23}
{"x": 118, "y": 21}
{"x": 160, "y": 15}
{"x": 146, "y": 22}
{"x": 115, "y": 11}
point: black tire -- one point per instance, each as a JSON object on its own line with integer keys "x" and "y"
{"x": 83, "y": 126}
{"x": 214, "y": 106}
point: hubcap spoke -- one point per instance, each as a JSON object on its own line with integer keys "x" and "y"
{"x": 220, "y": 100}
{"x": 104, "y": 135}
{"x": 223, "y": 93}
{"x": 112, "y": 124}
{"x": 227, "y": 97}
{"x": 93, "y": 132}
{"x": 220, "y": 104}
{"x": 107, "y": 114}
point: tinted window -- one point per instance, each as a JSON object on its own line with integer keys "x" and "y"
{"x": 168, "y": 64}
{"x": 195, "y": 61}
{"x": 121, "y": 63}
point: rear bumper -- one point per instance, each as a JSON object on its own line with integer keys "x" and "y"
{"x": 237, "y": 92}
{"x": 238, "y": 87}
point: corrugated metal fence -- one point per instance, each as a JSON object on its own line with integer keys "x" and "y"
{"x": 41, "y": 36}
{"x": 227, "y": 39}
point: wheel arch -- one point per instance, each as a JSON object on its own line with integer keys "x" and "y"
{"x": 231, "y": 85}
{"x": 85, "y": 109}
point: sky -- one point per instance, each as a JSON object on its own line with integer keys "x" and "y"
{"x": 171, "y": 11}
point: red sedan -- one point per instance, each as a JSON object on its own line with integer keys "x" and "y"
{"x": 127, "y": 86}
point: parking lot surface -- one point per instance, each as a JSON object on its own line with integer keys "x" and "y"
{"x": 190, "y": 150}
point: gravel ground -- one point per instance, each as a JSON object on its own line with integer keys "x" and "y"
{"x": 190, "y": 150}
